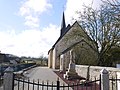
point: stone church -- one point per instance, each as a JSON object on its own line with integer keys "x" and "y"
{"x": 71, "y": 37}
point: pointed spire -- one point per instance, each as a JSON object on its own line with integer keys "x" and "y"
{"x": 63, "y": 24}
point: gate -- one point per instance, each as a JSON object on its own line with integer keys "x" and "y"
{"x": 104, "y": 83}
{"x": 22, "y": 84}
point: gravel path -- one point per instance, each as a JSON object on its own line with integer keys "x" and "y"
{"x": 43, "y": 74}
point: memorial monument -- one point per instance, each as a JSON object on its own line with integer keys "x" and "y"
{"x": 71, "y": 73}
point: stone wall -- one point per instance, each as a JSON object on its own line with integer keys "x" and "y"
{"x": 50, "y": 57}
{"x": 95, "y": 71}
{"x": 69, "y": 39}
{"x": 73, "y": 37}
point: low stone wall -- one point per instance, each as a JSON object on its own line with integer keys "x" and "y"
{"x": 94, "y": 71}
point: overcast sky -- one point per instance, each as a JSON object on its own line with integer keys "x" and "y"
{"x": 31, "y": 27}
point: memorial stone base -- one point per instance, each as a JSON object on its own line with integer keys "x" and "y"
{"x": 71, "y": 73}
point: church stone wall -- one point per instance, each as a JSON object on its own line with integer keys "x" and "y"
{"x": 70, "y": 38}
{"x": 50, "y": 58}
{"x": 74, "y": 35}
{"x": 56, "y": 58}
{"x": 67, "y": 59}
{"x": 84, "y": 54}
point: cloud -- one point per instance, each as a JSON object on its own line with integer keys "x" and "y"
{"x": 77, "y": 5}
{"x": 31, "y": 11}
{"x": 35, "y": 42}
{"x": 31, "y": 21}
{"x": 29, "y": 42}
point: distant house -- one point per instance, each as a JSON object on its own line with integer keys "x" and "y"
{"x": 28, "y": 61}
{"x": 3, "y": 58}
{"x": 66, "y": 42}
{"x": 13, "y": 59}
{"x": 13, "y": 62}
{"x": 8, "y": 58}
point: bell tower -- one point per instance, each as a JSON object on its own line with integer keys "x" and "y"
{"x": 63, "y": 25}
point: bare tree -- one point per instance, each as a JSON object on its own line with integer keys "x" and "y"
{"x": 103, "y": 27}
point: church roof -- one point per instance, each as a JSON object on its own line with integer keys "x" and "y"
{"x": 65, "y": 29}
{"x": 63, "y": 33}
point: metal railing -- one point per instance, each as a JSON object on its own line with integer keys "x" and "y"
{"x": 114, "y": 83}
{"x": 26, "y": 84}
{"x": 1, "y": 80}
{"x": 22, "y": 84}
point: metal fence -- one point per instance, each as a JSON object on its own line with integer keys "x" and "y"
{"x": 103, "y": 83}
{"x": 1, "y": 80}
{"x": 114, "y": 83}
{"x": 22, "y": 84}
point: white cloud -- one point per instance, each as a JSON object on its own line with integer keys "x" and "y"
{"x": 32, "y": 21}
{"x": 36, "y": 42}
{"x": 77, "y": 5}
{"x": 31, "y": 11}
{"x": 29, "y": 42}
